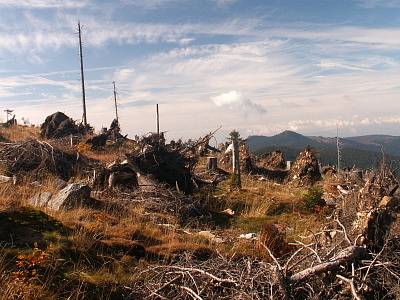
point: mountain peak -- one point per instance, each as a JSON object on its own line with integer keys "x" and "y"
{"x": 289, "y": 133}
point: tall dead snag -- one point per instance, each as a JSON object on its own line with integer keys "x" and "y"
{"x": 236, "y": 177}
{"x": 84, "y": 119}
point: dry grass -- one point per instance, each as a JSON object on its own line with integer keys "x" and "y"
{"x": 15, "y": 196}
{"x": 84, "y": 265}
{"x": 20, "y": 133}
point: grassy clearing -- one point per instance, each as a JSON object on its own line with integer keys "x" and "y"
{"x": 19, "y": 133}
{"x": 91, "y": 253}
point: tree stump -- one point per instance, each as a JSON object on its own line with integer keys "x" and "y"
{"x": 212, "y": 163}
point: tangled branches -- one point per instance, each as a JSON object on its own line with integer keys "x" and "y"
{"x": 217, "y": 278}
{"x": 36, "y": 158}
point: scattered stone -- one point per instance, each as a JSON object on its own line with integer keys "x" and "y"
{"x": 5, "y": 179}
{"x": 248, "y": 236}
{"x": 211, "y": 237}
{"x": 40, "y": 200}
{"x": 206, "y": 234}
{"x": 60, "y": 184}
{"x": 229, "y": 212}
{"x": 73, "y": 196}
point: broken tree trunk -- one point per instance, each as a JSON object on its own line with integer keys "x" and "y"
{"x": 212, "y": 163}
{"x": 346, "y": 256}
{"x": 236, "y": 160}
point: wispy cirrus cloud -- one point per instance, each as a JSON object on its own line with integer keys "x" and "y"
{"x": 378, "y": 3}
{"x": 225, "y": 2}
{"x": 44, "y": 3}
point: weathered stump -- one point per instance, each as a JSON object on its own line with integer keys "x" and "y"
{"x": 212, "y": 163}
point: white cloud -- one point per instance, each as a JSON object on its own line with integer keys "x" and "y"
{"x": 149, "y": 4}
{"x": 225, "y": 2}
{"x": 45, "y": 3}
{"x": 378, "y": 3}
{"x": 236, "y": 101}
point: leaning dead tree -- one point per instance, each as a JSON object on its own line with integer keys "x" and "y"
{"x": 236, "y": 177}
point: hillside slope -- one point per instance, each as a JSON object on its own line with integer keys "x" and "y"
{"x": 363, "y": 151}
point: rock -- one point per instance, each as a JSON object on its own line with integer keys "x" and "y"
{"x": 40, "y": 200}
{"x": 229, "y": 212}
{"x": 5, "y": 179}
{"x": 60, "y": 184}
{"x": 58, "y": 125}
{"x": 211, "y": 237}
{"x": 72, "y": 196}
{"x": 248, "y": 236}
{"x": 206, "y": 234}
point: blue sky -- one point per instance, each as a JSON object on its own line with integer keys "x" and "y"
{"x": 259, "y": 66}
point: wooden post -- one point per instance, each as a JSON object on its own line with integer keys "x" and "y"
{"x": 236, "y": 159}
{"x": 158, "y": 121}
{"x": 115, "y": 102}
{"x": 82, "y": 75}
{"x": 212, "y": 163}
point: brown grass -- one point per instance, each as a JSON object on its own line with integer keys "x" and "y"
{"x": 20, "y": 133}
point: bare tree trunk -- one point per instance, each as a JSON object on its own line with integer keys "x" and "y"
{"x": 236, "y": 162}
{"x": 212, "y": 163}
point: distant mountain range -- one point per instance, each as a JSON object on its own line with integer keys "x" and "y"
{"x": 361, "y": 151}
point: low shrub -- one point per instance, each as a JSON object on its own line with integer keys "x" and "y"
{"x": 313, "y": 198}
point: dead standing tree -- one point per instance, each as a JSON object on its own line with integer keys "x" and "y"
{"x": 82, "y": 75}
{"x": 236, "y": 176}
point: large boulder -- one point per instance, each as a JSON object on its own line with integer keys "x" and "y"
{"x": 59, "y": 125}
{"x": 72, "y": 196}
{"x": 41, "y": 199}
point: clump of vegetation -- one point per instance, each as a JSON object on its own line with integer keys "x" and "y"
{"x": 313, "y": 198}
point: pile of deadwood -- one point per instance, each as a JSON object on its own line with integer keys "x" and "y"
{"x": 10, "y": 123}
{"x": 305, "y": 169}
{"x": 273, "y": 160}
{"x": 352, "y": 257}
{"x": 112, "y": 134}
{"x": 38, "y": 159}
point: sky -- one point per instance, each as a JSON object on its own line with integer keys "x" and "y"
{"x": 257, "y": 66}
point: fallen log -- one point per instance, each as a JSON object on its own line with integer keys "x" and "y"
{"x": 345, "y": 257}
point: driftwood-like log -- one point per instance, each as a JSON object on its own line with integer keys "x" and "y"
{"x": 346, "y": 256}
